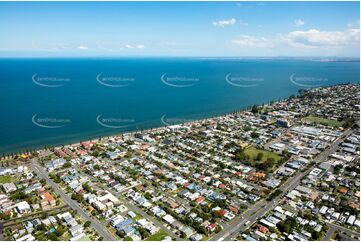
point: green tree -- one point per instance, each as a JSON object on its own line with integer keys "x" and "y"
{"x": 53, "y": 237}
{"x": 254, "y": 135}
{"x": 259, "y": 156}
{"x": 287, "y": 225}
{"x": 43, "y": 182}
{"x": 87, "y": 224}
{"x": 255, "y": 109}
{"x": 77, "y": 197}
{"x": 86, "y": 187}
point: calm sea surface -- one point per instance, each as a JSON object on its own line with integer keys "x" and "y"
{"x": 59, "y": 101}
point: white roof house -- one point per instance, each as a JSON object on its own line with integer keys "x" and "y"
{"x": 23, "y": 207}
{"x": 323, "y": 210}
{"x": 169, "y": 219}
{"x": 28, "y": 237}
{"x": 9, "y": 187}
{"x": 351, "y": 220}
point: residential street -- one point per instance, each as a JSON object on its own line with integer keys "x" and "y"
{"x": 331, "y": 230}
{"x": 99, "y": 228}
{"x": 144, "y": 214}
{"x": 335, "y": 227}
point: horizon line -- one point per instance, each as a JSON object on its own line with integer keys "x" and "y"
{"x": 190, "y": 56}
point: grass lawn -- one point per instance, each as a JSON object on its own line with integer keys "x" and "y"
{"x": 157, "y": 236}
{"x": 204, "y": 238}
{"x": 136, "y": 218}
{"x": 66, "y": 236}
{"x": 252, "y": 152}
{"x": 266, "y": 109}
{"x": 323, "y": 121}
{"x": 8, "y": 160}
{"x": 5, "y": 179}
{"x": 84, "y": 238}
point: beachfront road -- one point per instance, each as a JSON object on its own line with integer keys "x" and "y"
{"x": 98, "y": 227}
{"x": 260, "y": 208}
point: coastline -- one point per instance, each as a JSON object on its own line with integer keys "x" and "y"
{"x": 190, "y": 121}
{"x": 155, "y": 127}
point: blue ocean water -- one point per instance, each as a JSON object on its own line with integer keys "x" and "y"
{"x": 59, "y": 101}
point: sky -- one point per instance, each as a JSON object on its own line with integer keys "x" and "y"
{"x": 58, "y": 29}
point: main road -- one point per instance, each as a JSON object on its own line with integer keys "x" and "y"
{"x": 98, "y": 227}
{"x": 353, "y": 235}
{"x": 260, "y": 208}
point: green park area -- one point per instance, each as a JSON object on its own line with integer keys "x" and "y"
{"x": 323, "y": 121}
{"x": 261, "y": 159}
{"x": 253, "y": 154}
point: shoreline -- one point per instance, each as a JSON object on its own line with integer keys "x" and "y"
{"x": 161, "y": 125}
{"x": 13, "y": 154}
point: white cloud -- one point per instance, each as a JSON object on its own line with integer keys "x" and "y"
{"x": 315, "y": 38}
{"x": 83, "y": 47}
{"x": 250, "y": 41}
{"x": 222, "y": 23}
{"x": 299, "y": 22}
{"x": 129, "y": 46}
{"x": 311, "y": 40}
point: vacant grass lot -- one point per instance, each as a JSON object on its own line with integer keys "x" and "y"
{"x": 323, "y": 121}
{"x": 157, "y": 236}
{"x": 263, "y": 164}
{"x": 5, "y": 179}
{"x": 252, "y": 152}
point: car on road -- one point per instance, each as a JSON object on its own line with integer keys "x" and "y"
{"x": 246, "y": 223}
